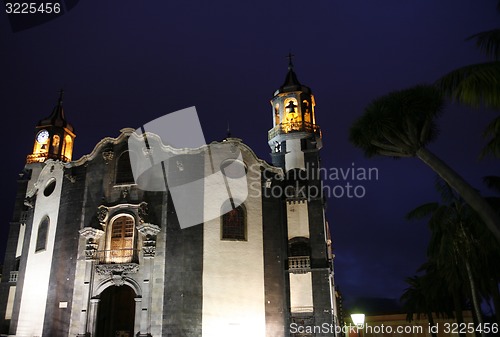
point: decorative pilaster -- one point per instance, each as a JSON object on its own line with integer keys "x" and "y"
{"x": 149, "y": 232}
{"x": 102, "y": 215}
{"x": 91, "y": 235}
{"x": 94, "y": 304}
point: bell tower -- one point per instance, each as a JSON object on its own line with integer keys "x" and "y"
{"x": 295, "y": 132}
{"x": 54, "y": 137}
{"x": 295, "y": 142}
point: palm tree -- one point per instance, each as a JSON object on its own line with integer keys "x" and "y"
{"x": 417, "y": 300}
{"x": 401, "y": 124}
{"x": 457, "y": 241}
{"x": 426, "y": 294}
{"x": 491, "y": 286}
{"x": 479, "y": 83}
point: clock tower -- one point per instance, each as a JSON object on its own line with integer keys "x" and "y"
{"x": 54, "y": 137}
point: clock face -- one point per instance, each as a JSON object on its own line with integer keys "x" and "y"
{"x": 42, "y": 136}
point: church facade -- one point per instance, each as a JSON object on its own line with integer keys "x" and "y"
{"x": 91, "y": 253}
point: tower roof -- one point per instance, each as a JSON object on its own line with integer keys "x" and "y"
{"x": 57, "y": 118}
{"x": 291, "y": 81}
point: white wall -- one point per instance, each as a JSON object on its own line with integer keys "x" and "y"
{"x": 294, "y": 157}
{"x": 233, "y": 275}
{"x": 297, "y": 219}
{"x": 301, "y": 292}
{"x": 38, "y": 266}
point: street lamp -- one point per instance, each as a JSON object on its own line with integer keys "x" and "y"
{"x": 359, "y": 321}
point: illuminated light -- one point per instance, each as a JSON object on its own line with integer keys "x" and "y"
{"x": 68, "y": 147}
{"x": 358, "y": 319}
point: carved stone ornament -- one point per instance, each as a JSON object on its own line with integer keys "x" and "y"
{"x": 148, "y": 229}
{"x": 118, "y": 280}
{"x": 149, "y": 250}
{"x": 117, "y": 269}
{"x": 70, "y": 177}
{"x": 125, "y": 192}
{"x": 102, "y": 214}
{"x": 28, "y": 202}
{"x": 90, "y": 254}
{"x": 91, "y": 233}
{"x": 107, "y": 156}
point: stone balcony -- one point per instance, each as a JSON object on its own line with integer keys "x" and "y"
{"x": 299, "y": 264}
{"x": 13, "y": 276}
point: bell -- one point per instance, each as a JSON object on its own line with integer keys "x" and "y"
{"x": 291, "y": 107}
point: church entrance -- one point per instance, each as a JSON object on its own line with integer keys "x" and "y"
{"x": 116, "y": 312}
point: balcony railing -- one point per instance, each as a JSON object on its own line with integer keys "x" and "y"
{"x": 117, "y": 256}
{"x": 288, "y": 127}
{"x": 299, "y": 264}
{"x": 13, "y": 276}
{"x": 41, "y": 157}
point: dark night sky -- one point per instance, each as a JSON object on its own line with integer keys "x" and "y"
{"x": 124, "y": 63}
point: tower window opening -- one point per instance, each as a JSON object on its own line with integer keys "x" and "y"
{"x": 68, "y": 148}
{"x": 307, "y": 113}
{"x": 292, "y": 120}
{"x": 277, "y": 118}
{"x": 299, "y": 247}
{"x": 55, "y": 143}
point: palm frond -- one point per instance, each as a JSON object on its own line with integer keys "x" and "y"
{"x": 488, "y": 42}
{"x": 493, "y": 145}
{"x": 473, "y": 85}
{"x": 422, "y": 211}
{"x": 448, "y": 194}
{"x": 399, "y": 123}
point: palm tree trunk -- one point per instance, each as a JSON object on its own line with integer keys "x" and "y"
{"x": 431, "y": 322}
{"x": 477, "y": 308}
{"x": 470, "y": 195}
{"x": 495, "y": 294}
{"x": 457, "y": 303}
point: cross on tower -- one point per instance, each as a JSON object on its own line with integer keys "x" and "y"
{"x": 61, "y": 94}
{"x": 289, "y": 57}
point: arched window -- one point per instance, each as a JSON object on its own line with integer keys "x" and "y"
{"x": 234, "y": 224}
{"x": 299, "y": 246}
{"x": 68, "y": 147}
{"x": 124, "y": 173}
{"x": 42, "y": 233}
{"x": 55, "y": 144}
{"x": 277, "y": 119}
{"x": 121, "y": 239}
